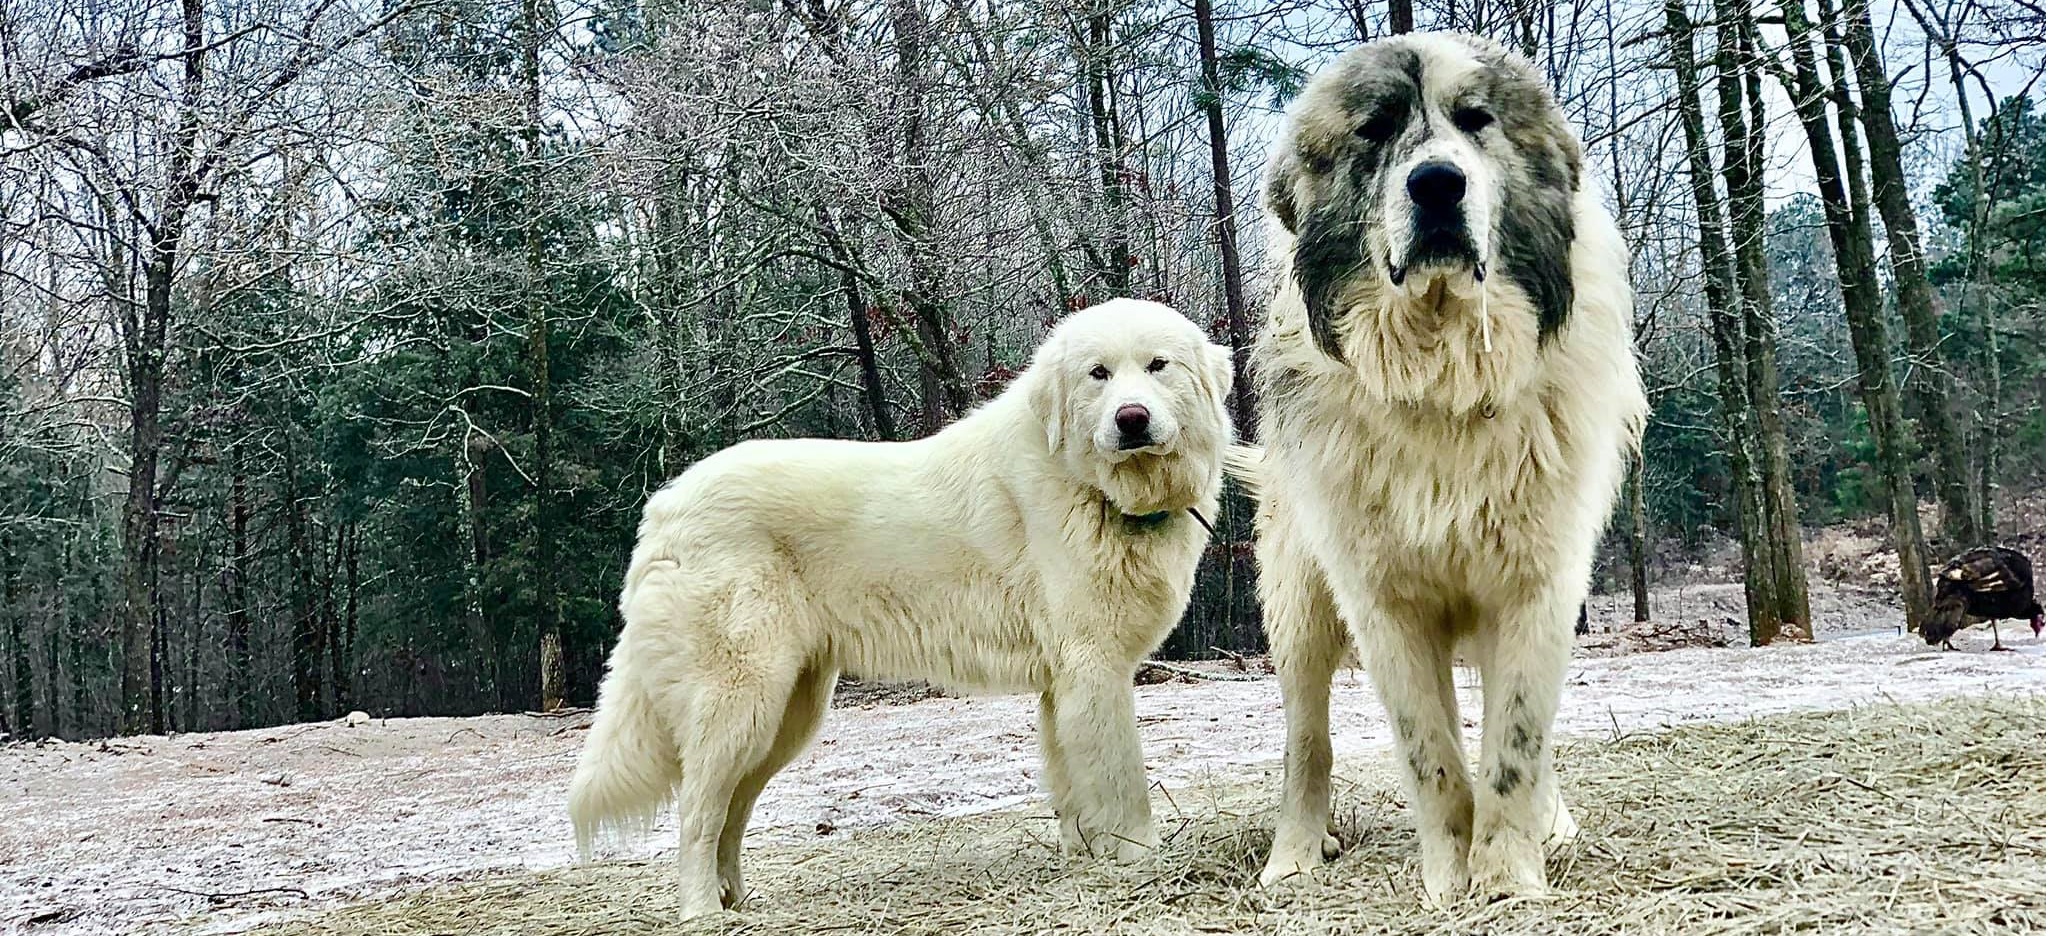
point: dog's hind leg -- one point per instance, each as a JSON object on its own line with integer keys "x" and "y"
{"x": 1517, "y": 807}
{"x": 800, "y": 719}
{"x": 1308, "y": 643}
{"x": 740, "y": 680}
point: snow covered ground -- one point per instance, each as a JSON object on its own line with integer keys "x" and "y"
{"x": 102, "y": 837}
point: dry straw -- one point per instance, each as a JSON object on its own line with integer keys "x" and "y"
{"x": 1894, "y": 819}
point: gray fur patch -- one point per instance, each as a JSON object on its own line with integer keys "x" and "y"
{"x": 1507, "y": 780}
{"x": 1524, "y": 740}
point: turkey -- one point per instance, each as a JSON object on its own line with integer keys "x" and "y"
{"x": 1988, "y": 583}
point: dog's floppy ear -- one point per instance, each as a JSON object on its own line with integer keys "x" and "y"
{"x": 1327, "y": 246}
{"x": 1047, "y": 394}
{"x": 1279, "y": 189}
{"x": 1215, "y": 376}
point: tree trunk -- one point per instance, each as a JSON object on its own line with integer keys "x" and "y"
{"x": 1730, "y": 364}
{"x": 240, "y": 691}
{"x": 1927, "y": 384}
{"x": 1115, "y": 267}
{"x": 330, "y": 614}
{"x": 1401, "y": 16}
{"x": 1226, "y": 224}
{"x": 1742, "y": 167}
{"x": 554, "y": 674}
{"x": 305, "y": 629}
{"x": 145, "y": 332}
{"x": 1848, "y": 221}
{"x": 909, "y": 206}
{"x": 872, "y": 390}
{"x": 16, "y": 614}
{"x": 1638, "y": 542}
{"x": 344, "y": 673}
{"x": 473, "y": 494}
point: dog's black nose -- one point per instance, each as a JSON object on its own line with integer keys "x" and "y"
{"x": 1133, "y": 419}
{"x": 1435, "y": 186}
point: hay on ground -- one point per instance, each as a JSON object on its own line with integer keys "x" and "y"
{"x": 1922, "y": 819}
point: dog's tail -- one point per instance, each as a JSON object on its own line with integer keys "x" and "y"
{"x": 629, "y": 767}
{"x": 1246, "y": 463}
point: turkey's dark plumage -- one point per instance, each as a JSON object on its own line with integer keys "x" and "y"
{"x": 1989, "y": 583}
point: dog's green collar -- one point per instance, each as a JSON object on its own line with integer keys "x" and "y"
{"x": 1142, "y": 523}
{"x": 1145, "y": 523}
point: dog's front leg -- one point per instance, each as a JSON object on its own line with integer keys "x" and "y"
{"x": 1057, "y": 783}
{"x": 1410, "y": 661}
{"x": 1518, "y": 806}
{"x": 1095, "y": 725}
{"x": 1308, "y": 642}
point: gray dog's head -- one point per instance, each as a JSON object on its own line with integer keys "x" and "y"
{"x": 1426, "y": 163}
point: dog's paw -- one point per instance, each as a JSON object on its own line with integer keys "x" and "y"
{"x": 1297, "y": 861}
{"x": 1445, "y": 875}
{"x": 1281, "y": 870}
{"x": 1331, "y": 847}
{"x": 1507, "y": 866}
{"x": 700, "y": 909}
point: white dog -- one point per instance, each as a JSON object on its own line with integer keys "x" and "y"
{"x": 1447, "y": 394}
{"x": 1046, "y": 542}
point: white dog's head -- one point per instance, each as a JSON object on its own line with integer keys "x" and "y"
{"x": 1131, "y": 395}
{"x": 1419, "y": 172}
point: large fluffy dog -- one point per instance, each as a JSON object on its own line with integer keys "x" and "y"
{"x": 1046, "y": 542}
{"x": 1447, "y": 393}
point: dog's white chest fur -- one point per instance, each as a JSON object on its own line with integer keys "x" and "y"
{"x": 1428, "y": 496}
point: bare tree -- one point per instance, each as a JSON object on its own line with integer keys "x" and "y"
{"x": 1927, "y": 383}
{"x": 1849, "y": 230}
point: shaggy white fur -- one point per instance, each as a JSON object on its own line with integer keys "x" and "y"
{"x": 1422, "y": 494}
{"x": 1032, "y": 546}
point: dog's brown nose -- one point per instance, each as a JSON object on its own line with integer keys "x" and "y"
{"x": 1132, "y": 419}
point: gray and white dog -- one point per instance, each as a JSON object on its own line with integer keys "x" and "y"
{"x": 1447, "y": 394}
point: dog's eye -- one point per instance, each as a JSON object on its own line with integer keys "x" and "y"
{"x": 1099, "y": 373}
{"x": 1382, "y": 126}
{"x": 1158, "y": 364}
{"x": 1471, "y": 119}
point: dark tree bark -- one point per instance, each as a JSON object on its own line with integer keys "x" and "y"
{"x": 145, "y": 333}
{"x": 344, "y": 673}
{"x": 1848, "y": 220}
{"x": 872, "y": 390}
{"x": 1226, "y": 224}
{"x": 554, "y": 673}
{"x": 1401, "y": 16}
{"x": 16, "y": 614}
{"x": 1638, "y": 542}
{"x": 1114, "y": 264}
{"x": 1742, "y": 167}
{"x": 1986, "y": 423}
{"x": 305, "y": 624}
{"x": 474, "y": 493}
{"x": 1927, "y": 383}
{"x": 240, "y": 691}
{"x": 1726, "y": 326}
{"x": 909, "y": 206}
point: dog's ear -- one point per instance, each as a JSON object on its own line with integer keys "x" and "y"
{"x": 1327, "y": 246}
{"x": 1328, "y": 252}
{"x": 1279, "y": 189}
{"x": 1216, "y": 377}
{"x": 1217, "y": 373}
{"x": 1047, "y": 394}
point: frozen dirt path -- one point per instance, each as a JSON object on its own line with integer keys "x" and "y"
{"x": 100, "y": 838}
